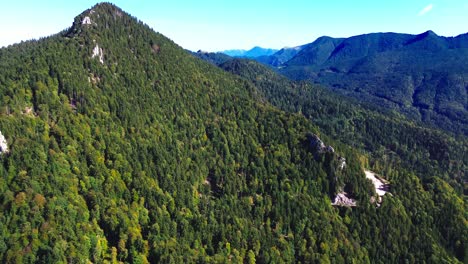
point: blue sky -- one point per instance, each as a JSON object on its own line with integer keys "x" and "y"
{"x": 214, "y": 25}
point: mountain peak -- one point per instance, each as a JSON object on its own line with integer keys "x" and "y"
{"x": 429, "y": 33}
{"x": 106, "y": 33}
{"x": 106, "y": 5}
{"x": 105, "y": 8}
{"x": 429, "y": 41}
{"x": 100, "y": 16}
{"x": 425, "y": 35}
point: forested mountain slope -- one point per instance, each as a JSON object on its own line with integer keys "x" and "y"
{"x": 391, "y": 139}
{"x": 397, "y": 147}
{"x": 124, "y": 147}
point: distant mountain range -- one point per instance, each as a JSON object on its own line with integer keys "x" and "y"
{"x": 423, "y": 76}
{"x": 252, "y": 53}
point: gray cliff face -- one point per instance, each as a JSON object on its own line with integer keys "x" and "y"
{"x": 317, "y": 145}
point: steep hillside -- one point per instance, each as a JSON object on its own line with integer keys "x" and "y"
{"x": 422, "y": 76}
{"x": 426, "y": 152}
{"x": 397, "y": 148}
{"x": 118, "y": 145}
{"x": 123, "y": 147}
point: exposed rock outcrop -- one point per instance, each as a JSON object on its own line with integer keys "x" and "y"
{"x": 317, "y": 145}
{"x": 342, "y": 199}
{"x": 381, "y": 186}
{"x": 342, "y": 163}
{"x": 86, "y": 21}
{"x": 97, "y": 52}
{"x": 3, "y": 144}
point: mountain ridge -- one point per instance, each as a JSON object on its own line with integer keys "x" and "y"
{"x": 419, "y": 75}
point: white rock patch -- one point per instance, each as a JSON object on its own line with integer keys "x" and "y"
{"x": 97, "y": 52}
{"x": 86, "y": 21}
{"x": 381, "y": 187}
{"x": 342, "y": 164}
{"x": 342, "y": 199}
{"x": 3, "y": 144}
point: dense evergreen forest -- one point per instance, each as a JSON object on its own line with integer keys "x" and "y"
{"x": 389, "y": 139}
{"x": 123, "y": 147}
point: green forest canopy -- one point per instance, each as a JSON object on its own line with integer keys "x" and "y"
{"x": 152, "y": 155}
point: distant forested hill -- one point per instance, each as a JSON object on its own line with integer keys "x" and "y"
{"x": 422, "y": 76}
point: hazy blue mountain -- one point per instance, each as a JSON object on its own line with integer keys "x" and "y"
{"x": 234, "y": 52}
{"x": 280, "y": 57}
{"x": 252, "y": 53}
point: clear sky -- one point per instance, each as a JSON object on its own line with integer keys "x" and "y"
{"x": 214, "y": 25}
